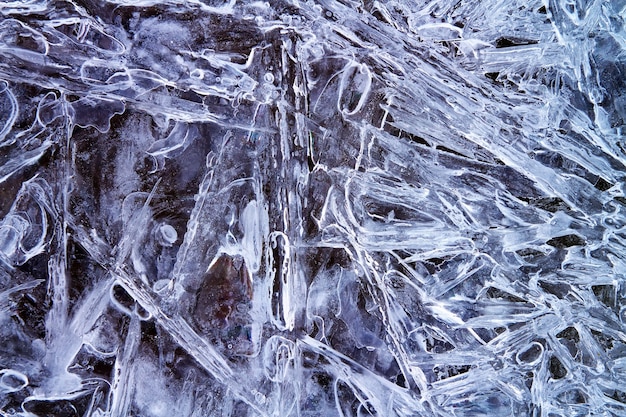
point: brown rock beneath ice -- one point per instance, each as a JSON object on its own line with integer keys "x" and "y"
{"x": 223, "y": 303}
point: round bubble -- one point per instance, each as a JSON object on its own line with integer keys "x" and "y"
{"x": 12, "y": 381}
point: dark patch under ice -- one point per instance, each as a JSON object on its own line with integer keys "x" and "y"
{"x": 320, "y": 208}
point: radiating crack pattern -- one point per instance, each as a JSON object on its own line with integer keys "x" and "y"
{"x": 312, "y": 208}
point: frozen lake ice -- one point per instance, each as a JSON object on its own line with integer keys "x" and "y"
{"x": 312, "y": 208}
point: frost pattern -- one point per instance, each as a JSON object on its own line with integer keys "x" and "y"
{"x": 320, "y": 208}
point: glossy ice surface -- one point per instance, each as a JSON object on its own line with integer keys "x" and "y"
{"x": 312, "y": 208}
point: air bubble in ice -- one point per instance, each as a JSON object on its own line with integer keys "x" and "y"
{"x": 530, "y": 354}
{"x": 167, "y": 235}
{"x": 12, "y": 381}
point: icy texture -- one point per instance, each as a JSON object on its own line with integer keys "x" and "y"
{"x": 321, "y": 208}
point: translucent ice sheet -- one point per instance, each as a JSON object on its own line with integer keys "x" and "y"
{"x": 312, "y": 208}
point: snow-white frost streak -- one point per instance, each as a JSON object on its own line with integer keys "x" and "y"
{"x": 312, "y": 208}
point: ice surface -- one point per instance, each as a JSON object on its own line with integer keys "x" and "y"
{"x": 312, "y": 208}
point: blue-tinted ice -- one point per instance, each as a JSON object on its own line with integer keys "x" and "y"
{"x": 312, "y": 208}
